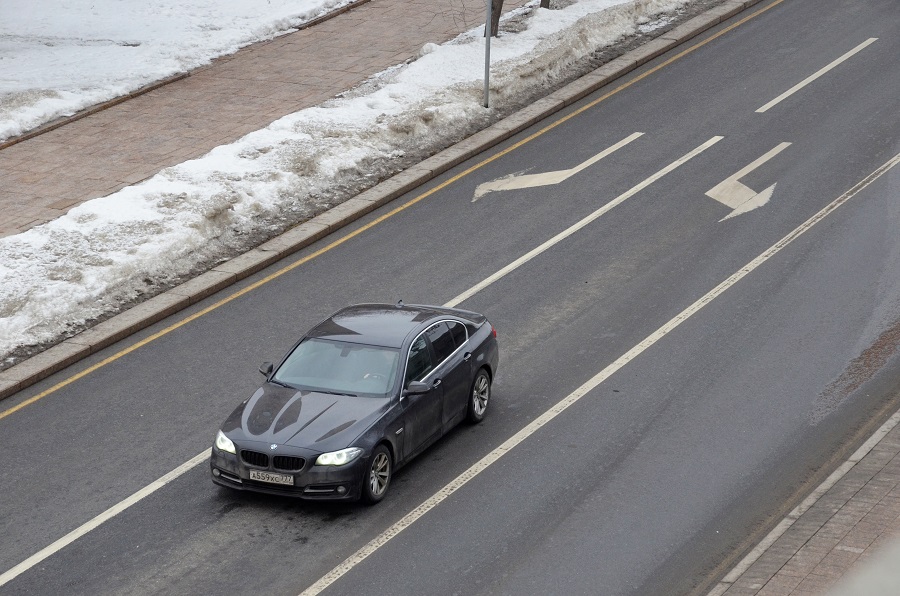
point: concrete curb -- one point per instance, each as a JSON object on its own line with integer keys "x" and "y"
{"x": 155, "y": 309}
{"x": 54, "y": 124}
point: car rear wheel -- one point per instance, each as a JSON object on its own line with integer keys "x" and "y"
{"x": 479, "y": 396}
{"x": 378, "y": 476}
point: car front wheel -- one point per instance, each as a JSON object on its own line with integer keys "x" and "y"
{"x": 378, "y": 475}
{"x": 479, "y": 396}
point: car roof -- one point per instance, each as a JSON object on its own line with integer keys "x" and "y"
{"x": 383, "y": 324}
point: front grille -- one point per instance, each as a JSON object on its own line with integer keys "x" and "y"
{"x": 255, "y": 458}
{"x": 321, "y": 489}
{"x": 288, "y": 463}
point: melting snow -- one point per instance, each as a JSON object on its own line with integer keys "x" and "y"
{"x": 56, "y": 277}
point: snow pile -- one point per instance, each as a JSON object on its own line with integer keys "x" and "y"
{"x": 112, "y": 250}
{"x": 60, "y": 56}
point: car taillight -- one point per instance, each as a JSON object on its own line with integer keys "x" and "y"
{"x": 494, "y": 331}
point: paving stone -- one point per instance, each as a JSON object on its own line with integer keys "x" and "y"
{"x": 857, "y": 538}
{"x": 815, "y": 584}
{"x": 740, "y": 591}
{"x": 133, "y": 140}
{"x": 781, "y": 584}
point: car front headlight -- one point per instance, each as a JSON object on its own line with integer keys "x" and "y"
{"x": 223, "y": 443}
{"x": 339, "y": 458}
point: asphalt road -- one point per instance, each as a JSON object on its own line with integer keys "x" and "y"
{"x": 648, "y": 484}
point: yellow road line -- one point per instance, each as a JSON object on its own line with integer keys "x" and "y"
{"x": 376, "y": 221}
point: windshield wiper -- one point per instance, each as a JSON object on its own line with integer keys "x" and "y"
{"x": 302, "y": 388}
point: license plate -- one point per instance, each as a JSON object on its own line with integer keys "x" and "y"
{"x": 272, "y": 478}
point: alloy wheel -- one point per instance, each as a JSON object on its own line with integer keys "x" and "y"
{"x": 481, "y": 392}
{"x": 379, "y": 474}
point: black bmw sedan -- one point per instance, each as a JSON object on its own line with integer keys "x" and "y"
{"x": 361, "y": 394}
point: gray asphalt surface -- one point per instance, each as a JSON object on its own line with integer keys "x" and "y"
{"x": 644, "y": 486}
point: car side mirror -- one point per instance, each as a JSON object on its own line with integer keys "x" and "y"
{"x": 417, "y": 388}
{"x": 266, "y": 368}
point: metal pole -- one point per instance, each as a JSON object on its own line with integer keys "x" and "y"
{"x": 487, "y": 51}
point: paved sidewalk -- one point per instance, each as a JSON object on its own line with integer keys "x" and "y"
{"x": 42, "y": 177}
{"x": 845, "y": 543}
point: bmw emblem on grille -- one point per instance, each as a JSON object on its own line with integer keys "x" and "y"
{"x": 273, "y": 446}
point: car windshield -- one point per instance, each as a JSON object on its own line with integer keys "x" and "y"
{"x": 340, "y": 367}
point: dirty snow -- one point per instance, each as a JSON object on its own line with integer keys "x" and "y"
{"x": 109, "y": 251}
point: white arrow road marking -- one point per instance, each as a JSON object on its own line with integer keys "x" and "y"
{"x": 548, "y": 178}
{"x": 741, "y": 198}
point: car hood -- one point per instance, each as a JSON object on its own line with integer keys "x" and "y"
{"x": 305, "y": 419}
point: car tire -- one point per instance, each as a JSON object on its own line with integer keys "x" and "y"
{"x": 377, "y": 479}
{"x": 479, "y": 396}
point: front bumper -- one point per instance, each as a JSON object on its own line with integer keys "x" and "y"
{"x": 312, "y": 482}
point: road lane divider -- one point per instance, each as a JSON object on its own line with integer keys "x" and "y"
{"x": 102, "y": 518}
{"x": 579, "y": 225}
{"x": 817, "y": 74}
{"x": 481, "y": 465}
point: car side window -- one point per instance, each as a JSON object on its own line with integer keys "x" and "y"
{"x": 419, "y": 363}
{"x": 458, "y": 331}
{"x": 441, "y": 341}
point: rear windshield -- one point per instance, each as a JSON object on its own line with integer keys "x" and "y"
{"x": 340, "y": 367}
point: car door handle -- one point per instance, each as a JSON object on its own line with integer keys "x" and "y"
{"x": 467, "y": 356}
{"x": 437, "y": 383}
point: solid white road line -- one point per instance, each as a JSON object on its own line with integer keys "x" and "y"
{"x": 818, "y": 74}
{"x": 577, "y": 226}
{"x": 103, "y": 517}
{"x": 410, "y": 518}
